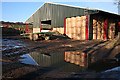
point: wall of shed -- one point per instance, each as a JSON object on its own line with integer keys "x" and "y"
{"x": 42, "y": 14}
{"x": 54, "y": 12}
{"x": 60, "y": 12}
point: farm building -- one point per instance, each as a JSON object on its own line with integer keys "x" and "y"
{"x": 53, "y": 15}
{"x": 95, "y": 24}
{"x": 101, "y": 25}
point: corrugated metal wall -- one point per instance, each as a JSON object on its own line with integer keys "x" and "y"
{"x": 54, "y": 12}
{"x": 42, "y": 14}
{"x": 60, "y": 12}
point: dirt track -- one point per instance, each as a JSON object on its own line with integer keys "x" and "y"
{"x": 17, "y": 70}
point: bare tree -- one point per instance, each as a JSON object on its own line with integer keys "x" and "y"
{"x": 117, "y": 2}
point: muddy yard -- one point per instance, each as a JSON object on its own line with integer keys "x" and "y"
{"x": 40, "y": 60}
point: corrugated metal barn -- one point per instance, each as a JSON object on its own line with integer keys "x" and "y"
{"x": 97, "y": 24}
{"x": 53, "y": 15}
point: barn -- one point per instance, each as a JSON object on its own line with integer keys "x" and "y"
{"x": 53, "y": 14}
{"x": 97, "y": 24}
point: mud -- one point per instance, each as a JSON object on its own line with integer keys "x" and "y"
{"x": 14, "y": 47}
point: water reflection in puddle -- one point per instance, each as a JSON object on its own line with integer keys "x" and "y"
{"x": 27, "y": 59}
{"x": 47, "y": 60}
{"x": 53, "y": 60}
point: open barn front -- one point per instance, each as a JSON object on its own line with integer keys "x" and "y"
{"x": 104, "y": 25}
{"x": 100, "y": 26}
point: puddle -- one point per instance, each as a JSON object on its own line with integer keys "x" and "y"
{"x": 53, "y": 61}
{"x": 27, "y": 59}
{"x": 46, "y": 60}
